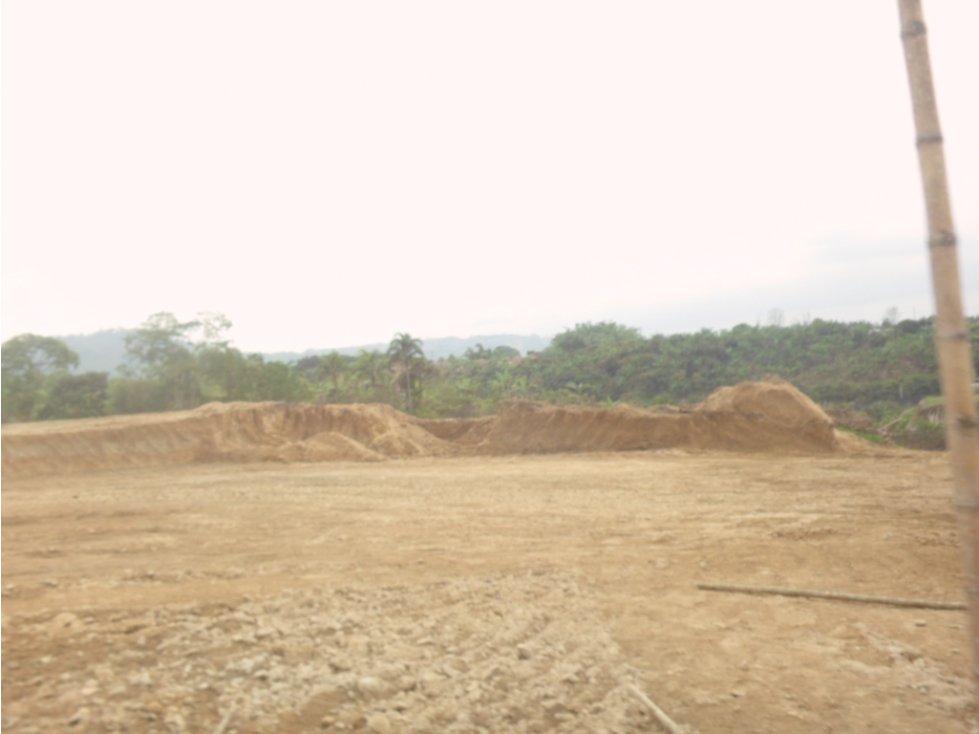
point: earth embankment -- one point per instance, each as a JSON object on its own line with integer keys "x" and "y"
{"x": 757, "y": 416}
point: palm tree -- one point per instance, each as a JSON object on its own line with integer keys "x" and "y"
{"x": 406, "y": 357}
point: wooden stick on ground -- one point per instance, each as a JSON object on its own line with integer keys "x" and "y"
{"x": 951, "y": 331}
{"x": 839, "y": 596}
{"x": 227, "y": 719}
{"x": 665, "y": 721}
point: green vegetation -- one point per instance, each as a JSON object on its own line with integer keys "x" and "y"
{"x": 37, "y": 382}
{"x": 407, "y": 359}
{"x": 865, "y": 435}
{"x": 921, "y": 426}
{"x": 879, "y": 369}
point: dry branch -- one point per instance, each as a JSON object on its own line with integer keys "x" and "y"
{"x": 838, "y": 596}
{"x": 665, "y": 721}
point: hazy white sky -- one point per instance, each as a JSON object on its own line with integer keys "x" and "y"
{"x": 329, "y": 173}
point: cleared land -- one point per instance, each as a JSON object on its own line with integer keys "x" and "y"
{"x": 484, "y": 593}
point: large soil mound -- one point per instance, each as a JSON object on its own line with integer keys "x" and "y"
{"x": 764, "y": 416}
{"x": 752, "y": 416}
{"x": 218, "y": 432}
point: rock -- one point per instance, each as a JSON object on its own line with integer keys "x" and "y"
{"x": 379, "y": 723}
{"x": 350, "y": 719}
{"x": 141, "y": 678}
{"x": 327, "y": 721}
{"x": 401, "y": 703}
{"x": 523, "y": 652}
{"x": 103, "y": 673}
{"x": 390, "y": 672}
{"x": 455, "y": 665}
{"x": 555, "y": 707}
{"x": 175, "y": 722}
{"x": 370, "y": 686}
{"x": 433, "y": 682}
{"x": 80, "y": 717}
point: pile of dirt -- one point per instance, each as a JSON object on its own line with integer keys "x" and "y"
{"x": 779, "y": 402}
{"x": 534, "y": 428}
{"x": 218, "y": 432}
{"x": 753, "y": 416}
{"x": 759, "y": 416}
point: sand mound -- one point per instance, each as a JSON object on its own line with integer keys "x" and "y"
{"x": 761, "y": 416}
{"x": 765, "y": 416}
{"x": 748, "y": 417}
{"x": 217, "y": 432}
{"x": 779, "y": 402}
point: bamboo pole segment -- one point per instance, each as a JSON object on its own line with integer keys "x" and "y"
{"x": 951, "y": 331}
{"x": 834, "y": 595}
{"x": 665, "y": 721}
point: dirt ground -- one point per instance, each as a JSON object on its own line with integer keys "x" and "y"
{"x": 484, "y": 594}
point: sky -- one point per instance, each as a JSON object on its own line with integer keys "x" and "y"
{"x": 329, "y": 173}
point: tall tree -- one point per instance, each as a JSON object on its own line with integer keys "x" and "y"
{"x": 368, "y": 367}
{"x": 407, "y": 360}
{"x": 176, "y": 355}
{"x": 28, "y": 361}
{"x": 160, "y": 350}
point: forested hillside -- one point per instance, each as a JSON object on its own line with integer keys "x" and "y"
{"x": 875, "y": 368}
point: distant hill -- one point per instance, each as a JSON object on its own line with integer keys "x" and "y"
{"x": 102, "y": 351}
{"x": 441, "y": 348}
{"x": 105, "y": 351}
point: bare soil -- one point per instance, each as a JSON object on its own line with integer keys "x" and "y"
{"x": 483, "y": 594}
{"x": 751, "y": 416}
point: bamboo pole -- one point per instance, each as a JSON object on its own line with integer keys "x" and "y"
{"x": 834, "y": 595}
{"x": 951, "y": 331}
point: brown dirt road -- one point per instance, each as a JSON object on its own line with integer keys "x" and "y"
{"x": 483, "y": 594}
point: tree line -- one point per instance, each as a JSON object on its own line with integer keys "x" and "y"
{"x": 176, "y": 365}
